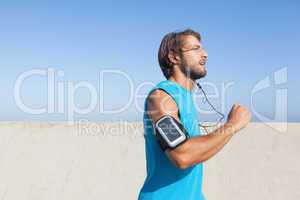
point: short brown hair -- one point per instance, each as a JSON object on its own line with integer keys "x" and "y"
{"x": 172, "y": 42}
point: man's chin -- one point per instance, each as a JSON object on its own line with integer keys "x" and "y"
{"x": 204, "y": 73}
{"x": 201, "y": 74}
{"x": 196, "y": 76}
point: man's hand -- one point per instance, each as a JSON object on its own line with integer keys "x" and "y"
{"x": 238, "y": 117}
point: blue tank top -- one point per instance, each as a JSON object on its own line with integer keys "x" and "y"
{"x": 165, "y": 181}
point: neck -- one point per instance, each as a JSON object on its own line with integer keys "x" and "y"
{"x": 182, "y": 80}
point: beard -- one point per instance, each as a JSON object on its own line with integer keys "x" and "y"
{"x": 190, "y": 73}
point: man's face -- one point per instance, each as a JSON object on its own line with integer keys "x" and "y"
{"x": 193, "y": 58}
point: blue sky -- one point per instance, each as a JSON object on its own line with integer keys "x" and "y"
{"x": 246, "y": 41}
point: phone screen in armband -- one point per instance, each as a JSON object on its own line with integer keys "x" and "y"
{"x": 171, "y": 131}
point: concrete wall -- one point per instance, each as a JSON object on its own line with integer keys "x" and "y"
{"x": 43, "y": 161}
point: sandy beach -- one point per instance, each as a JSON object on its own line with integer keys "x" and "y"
{"x": 43, "y": 161}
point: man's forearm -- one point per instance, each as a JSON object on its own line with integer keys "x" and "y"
{"x": 215, "y": 149}
{"x": 201, "y": 148}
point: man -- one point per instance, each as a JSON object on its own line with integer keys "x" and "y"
{"x": 175, "y": 173}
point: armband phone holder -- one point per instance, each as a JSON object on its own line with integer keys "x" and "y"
{"x": 170, "y": 133}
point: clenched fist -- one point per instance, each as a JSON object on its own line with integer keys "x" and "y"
{"x": 238, "y": 117}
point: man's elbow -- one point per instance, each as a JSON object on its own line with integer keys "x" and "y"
{"x": 183, "y": 161}
{"x": 182, "y": 165}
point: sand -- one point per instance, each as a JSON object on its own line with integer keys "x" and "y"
{"x": 43, "y": 161}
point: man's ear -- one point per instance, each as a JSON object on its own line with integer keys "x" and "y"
{"x": 173, "y": 58}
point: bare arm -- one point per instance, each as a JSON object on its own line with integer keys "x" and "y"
{"x": 200, "y": 148}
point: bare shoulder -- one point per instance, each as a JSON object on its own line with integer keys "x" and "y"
{"x": 160, "y": 103}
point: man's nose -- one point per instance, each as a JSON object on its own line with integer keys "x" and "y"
{"x": 204, "y": 54}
